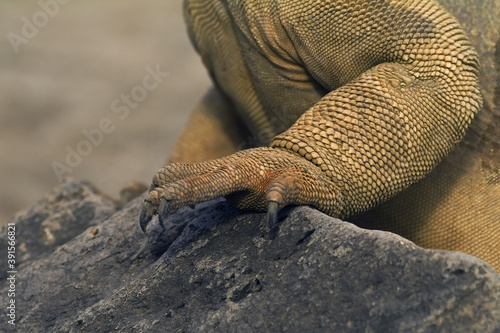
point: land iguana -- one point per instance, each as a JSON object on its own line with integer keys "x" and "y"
{"x": 347, "y": 103}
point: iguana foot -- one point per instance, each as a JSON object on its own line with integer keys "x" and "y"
{"x": 257, "y": 179}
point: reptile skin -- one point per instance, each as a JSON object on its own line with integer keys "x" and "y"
{"x": 348, "y": 104}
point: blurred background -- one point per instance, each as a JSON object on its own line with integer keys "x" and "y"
{"x": 66, "y": 67}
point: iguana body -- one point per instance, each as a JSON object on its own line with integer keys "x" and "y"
{"x": 356, "y": 100}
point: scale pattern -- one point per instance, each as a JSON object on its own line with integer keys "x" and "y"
{"x": 355, "y": 100}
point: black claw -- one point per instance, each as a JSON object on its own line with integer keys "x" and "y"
{"x": 164, "y": 211}
{"x": 145, "y": 217}
{"x": 272, "y": 214}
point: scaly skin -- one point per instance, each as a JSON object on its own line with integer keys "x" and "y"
{"x": 371, "y": 96}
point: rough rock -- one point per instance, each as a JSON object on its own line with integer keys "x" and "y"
{"x": 57, "y": 218}
{"x": 218, "y": 270}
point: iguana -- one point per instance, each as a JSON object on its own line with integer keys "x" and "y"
{"x": 347, "y": 103}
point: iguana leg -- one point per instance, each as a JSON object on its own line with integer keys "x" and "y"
{"x": 402, "y": 83}
{"x": 213, "y": 130}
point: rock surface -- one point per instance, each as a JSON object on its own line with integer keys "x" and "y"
{"x": 219, "y": 270}
{"x": 56, "y": 219}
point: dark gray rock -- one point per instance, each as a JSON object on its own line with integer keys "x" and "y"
{"x": 218, "y": 270}
{"x": 57, "y": 218}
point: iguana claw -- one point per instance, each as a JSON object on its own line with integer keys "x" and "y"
{"x": 272, "y": 214}
{"x": 146, "y": 215}
{"x": 164, "y": 211}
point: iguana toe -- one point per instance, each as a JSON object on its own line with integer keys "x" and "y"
{"x": 150, "y": 207}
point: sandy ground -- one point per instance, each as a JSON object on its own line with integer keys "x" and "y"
{"x": 67, "y": 70}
